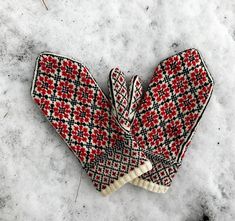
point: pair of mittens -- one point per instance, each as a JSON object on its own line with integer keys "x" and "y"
{"x": 168, "y": 115}
{"x": 115, "y": 142}
{"x": 76, "y": 107}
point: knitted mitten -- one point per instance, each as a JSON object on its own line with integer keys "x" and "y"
{"x": 168, "y": 115}
{"x": 76, "y": 107}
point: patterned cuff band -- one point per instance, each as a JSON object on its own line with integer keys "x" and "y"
{"x": 138, "y": 171}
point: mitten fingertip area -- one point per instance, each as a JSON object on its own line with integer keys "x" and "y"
{"x": 133, "y": 174}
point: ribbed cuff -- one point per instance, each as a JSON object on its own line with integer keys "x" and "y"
{"x": 138, "y": 171}
{"x": 150, "y": 186}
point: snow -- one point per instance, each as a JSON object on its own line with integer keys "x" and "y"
{"x": 40, "y": 179}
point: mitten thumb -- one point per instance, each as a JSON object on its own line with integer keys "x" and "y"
{"x": 135, "y": 94}
{"x": 119, "y": 97}
{"x": 124, "y": 104}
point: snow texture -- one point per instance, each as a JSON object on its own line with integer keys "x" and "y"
{"x": 40, "y": 179}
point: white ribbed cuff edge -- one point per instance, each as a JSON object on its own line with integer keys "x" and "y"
{"x": 150, "y": 186}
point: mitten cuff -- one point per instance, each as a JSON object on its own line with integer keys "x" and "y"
{"x": 133, "y": 174}
{"x": 148, "y": 185}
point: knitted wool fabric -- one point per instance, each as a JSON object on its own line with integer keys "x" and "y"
{"x": 76, "y": 107}
{"x": 169, "y": 113}
{"x": 124, "y": 104}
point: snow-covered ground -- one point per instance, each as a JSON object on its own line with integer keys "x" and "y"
{"x": 40, "y": 179}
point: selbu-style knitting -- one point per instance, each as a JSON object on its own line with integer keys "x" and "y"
{"x": 170, "y": 111}
{"x": 76, "y": 107}
{"x": 123, "y": 141}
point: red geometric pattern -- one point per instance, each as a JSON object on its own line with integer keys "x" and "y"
{"x": 169, "y": 112}
{"x": 73, "y": 103}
